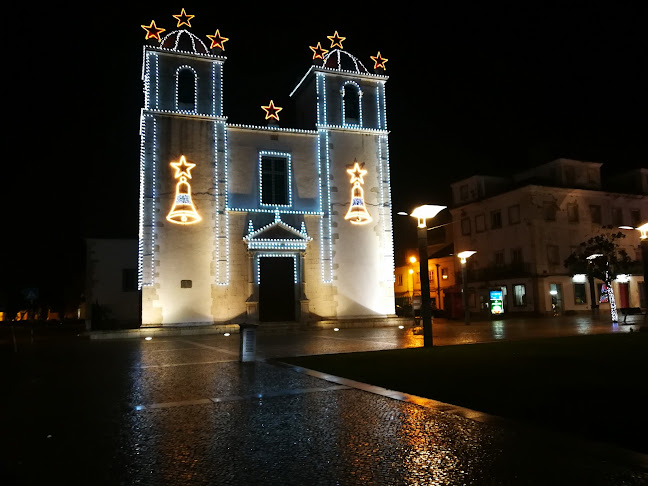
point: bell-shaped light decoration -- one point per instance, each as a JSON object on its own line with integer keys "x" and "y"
{"x": 357, "y": 213}
{"x": 183, "y": 210}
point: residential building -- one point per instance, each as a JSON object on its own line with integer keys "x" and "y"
{"x": 523, "y": 228}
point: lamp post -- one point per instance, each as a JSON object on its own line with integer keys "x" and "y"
{"x": 463, "y": 256}
{"x": 423, "y": 213}
{"x": 590, "y": 276}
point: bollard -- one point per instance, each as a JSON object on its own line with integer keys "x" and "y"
{"x": 247, "y": 347}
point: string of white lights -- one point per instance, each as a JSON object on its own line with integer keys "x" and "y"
{"x": 285, "y": 155}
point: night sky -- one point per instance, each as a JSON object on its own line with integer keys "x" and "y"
{"x": 489, "y": 89}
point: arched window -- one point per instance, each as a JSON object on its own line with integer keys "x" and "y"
{"x": 351, "y": 104}
{"x": 186, "y": 89}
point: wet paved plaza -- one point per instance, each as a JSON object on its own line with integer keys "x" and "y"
{"x": 183, "y": 410}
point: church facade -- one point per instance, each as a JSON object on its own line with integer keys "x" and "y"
{"x": 247, "y": 223}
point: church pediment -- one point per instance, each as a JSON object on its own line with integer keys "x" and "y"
{"x": 277, "y": 236}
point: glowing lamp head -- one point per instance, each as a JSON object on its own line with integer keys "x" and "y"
{"x": 595, "y": 255}
{"x": 644, "y": 231}
{"x": 411, "y": 272}
{"x": 412, "y": 259}
{"x": 464, "y": 255}
{"x": 427, "y": 211}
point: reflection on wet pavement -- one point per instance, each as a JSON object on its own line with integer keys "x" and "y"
{"x": 185, "y": 411}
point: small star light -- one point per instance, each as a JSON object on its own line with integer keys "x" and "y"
{"x": 336, "y": 40}
{"x": 182, "y": 167}
{"x": 272, "y": 111}
{"x": 318, "y": 52}
{"x": 356, "y": 173}
{"x": 183, "y": 18}
{"x": 153, "y": 31}
{"x": 379, "y": 61}
{"x": 217, "y": 40}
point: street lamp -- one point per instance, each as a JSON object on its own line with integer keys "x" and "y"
{"x": 463, "y": 256}
{"x": 423, "y": 213}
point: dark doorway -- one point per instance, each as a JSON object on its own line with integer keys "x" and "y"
{"x": 276, "y": 289}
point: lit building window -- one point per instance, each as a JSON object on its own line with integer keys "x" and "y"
{"x": 580, "y": 295}
{"x": 519, "y": 295}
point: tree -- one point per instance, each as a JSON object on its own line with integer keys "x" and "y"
{"x": 601, "y": 257}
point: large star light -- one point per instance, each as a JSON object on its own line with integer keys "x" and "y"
{"x": 318, "y": 51}
{"x": 183, "y": 18}
{"x": 153, "y": 31}
{"x": 272, "y": 111}
{"x": 182, "y": 167}
{"x": 379, "y": 61}
{"x": 217, "y": 40}
{"x": 336, "y": 40}
{"x": 357, "y": 173}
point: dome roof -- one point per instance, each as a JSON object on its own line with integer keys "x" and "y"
{"x": 343, "y": 61}
{"x": 184, "y": 41}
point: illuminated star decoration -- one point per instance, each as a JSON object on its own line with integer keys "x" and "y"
{"x": 336, "y": 40}
{"x": 356, "y": 173}
{"x": 272, "y": 111}
{"x": 217, "y": 40}
{"x": 182, "y": 167}
{"x": 153, "y": 31}
{"x": 183, "y": 18}
{"x": 318, "y": 52}
{"x": 379, "y": 61}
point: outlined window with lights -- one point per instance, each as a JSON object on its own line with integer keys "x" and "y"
{"x": 186, "y": 89}
{"x": 275, "y": 179}
{"x": 351, "y": 104}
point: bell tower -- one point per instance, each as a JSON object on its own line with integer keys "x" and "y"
{"x": 182, "y": 132}
{"x": 346, "y": 103}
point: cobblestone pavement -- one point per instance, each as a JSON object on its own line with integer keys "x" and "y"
{"x": 183, "y": 410}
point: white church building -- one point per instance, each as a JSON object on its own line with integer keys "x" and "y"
{"x": 261, "y": 223}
